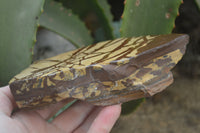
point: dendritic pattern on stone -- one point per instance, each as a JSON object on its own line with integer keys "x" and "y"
{"x": 105, "y": 73}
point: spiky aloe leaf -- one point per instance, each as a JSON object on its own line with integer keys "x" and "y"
{"x": 106, "y": 10}
{"x": 18, "y": 24}
{"x": 147, "y": 17}
{"x": 95, "y": 14}
{"x": 144, "y": 17}
{"x": 62, "y": 21}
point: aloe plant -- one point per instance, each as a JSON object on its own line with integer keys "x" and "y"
{"x": 149, "y": 17}
{"x": 62, "y": 21}
{"x": 96, "y": 15}
{"x": 18, "y": 24}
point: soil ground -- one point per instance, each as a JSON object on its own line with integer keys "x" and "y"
{"x": 175, "y": 110}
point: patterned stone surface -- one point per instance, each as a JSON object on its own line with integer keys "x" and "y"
{"x": 105, "y": 73}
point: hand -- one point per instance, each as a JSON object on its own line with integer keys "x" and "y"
{"x": 81, "y": 117}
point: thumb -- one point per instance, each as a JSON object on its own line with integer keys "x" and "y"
{"x": 7, "y": 102}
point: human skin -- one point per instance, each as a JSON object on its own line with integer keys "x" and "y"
{"x": 81, "y": 117}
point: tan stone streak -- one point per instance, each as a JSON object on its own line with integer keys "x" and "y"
{"x": 107, "y": 44}
{"x": 117, "y": 48}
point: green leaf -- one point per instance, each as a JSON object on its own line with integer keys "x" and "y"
{"x": 62, "y": 21}
{"x": 18, "y": 26}
{"x": 130, "y": 106}
{"x": 95, "y": 14}
{"x": 149, "y": 17}
{"x": 105, "y": 7}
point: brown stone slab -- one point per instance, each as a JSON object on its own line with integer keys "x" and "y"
{"x": 105, "y": 73}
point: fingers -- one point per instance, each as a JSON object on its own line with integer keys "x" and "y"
{"x": 82, "y": 117}
{"x": 84, "y": 127}
{"x": 7, "y": 102}
{"x": 105, "y": 120}
{"x": 51, "y": 110}
{"x": 71, "y": 118}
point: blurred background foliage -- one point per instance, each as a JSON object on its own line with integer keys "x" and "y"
{"x": 63, "y": 25}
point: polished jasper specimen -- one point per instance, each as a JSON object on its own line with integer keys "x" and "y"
{"x": 105, "y": 73}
